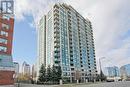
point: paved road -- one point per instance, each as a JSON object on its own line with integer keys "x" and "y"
{"x": 109, "y": 84}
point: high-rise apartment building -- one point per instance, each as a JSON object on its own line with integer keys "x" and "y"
{"x": 65, "y": 38}
{"x": 16, "y": 69}
{"x": 6, "y": 37}
{"x": 41, "y": 45}
{"x": 25, "y": 69}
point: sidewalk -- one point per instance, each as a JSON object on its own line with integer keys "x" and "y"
{"x": 7, "y": 86}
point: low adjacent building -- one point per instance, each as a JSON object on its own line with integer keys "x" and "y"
{"x": 6, "y": 38}
{"x": 125, "y": 72}
{"x": 112, "y": 73}
{"x": 25, "y": 69}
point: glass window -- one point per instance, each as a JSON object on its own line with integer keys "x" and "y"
{"x": 6, "y": 17}
{"x": 3, "y": 49}
{"x": 4, "y": 33}
{"x": 4, "y": 41}
{"x": 49, "y": 13}
{"x": 5, "y": 26}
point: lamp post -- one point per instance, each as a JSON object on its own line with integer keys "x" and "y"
{"x": 100, "y": 66}
{"x": 100, "y": 63}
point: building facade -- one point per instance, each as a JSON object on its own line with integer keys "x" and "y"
{"x": 6, "y": 38}
{"x": 125, "y": 72}
{"x": 16, "y": 69}
{"x": 112, "y": 71}
{"x": 34, "y": 72}
{"x": 41, "y": 45}
{"x": 25, "y": 69}
{"x": 65, "y": 38}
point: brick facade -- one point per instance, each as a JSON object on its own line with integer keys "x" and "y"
{"x": 6, "y": 77}
{"x": 6, "y": 38}
{"x": 9, "y": 38}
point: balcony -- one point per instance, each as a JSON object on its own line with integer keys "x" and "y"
{"x": 56, "y": 10}
{"x": 57, "y": 62}
{"x": 81, "y": 62}
{"x": 95, "y": 65}
{"x": 56, "y": 23}
{"x": 95, "y": 68}
{"x": 56, "y": 14}
{"x": 56, "y": 6}
{"x": 56, "y": 31}
{"x": 69, "y": 16}
{"x": 71, "y": 59}
{"x": 57, "y": 41}
{"x": 90, "y": 71}
{"x": 81, "y": 65}
{"x": 56, "y": 19}
{"x": 56, "y": 52}
{"x": 56, "y": 36}
{"x": 69, "y": 12}
{"x": 72, "y": 69}
{"x": 69, "y": 20}
{"x": 57, "y": 55}
{"x": 56, "y": 27}
{"x": 71, "y": 64}
{"x": 71, "y": 55}
{"x": 56, "y": 45}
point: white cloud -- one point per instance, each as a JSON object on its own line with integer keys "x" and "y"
{"x": 110, "y": 20}
{"x": 109, "y": 27}
{"x": 36, "y": 8}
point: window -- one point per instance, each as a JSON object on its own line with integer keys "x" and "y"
{"x": 4, "y": 33}
{"x": 64, "y": 73}
{"x": 6, "y": 17}
{"x": 5, "y": 26}
{"x": 4, "y": 41}
{"x": 3, "y": 49}
{"x": 72, "y": 69}
{"x": 82, "y": 74}
{"x": 49, "y": 14}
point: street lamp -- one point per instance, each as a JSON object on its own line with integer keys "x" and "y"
{"x": 100, "y": 63}
{"x": 101, "y": 73}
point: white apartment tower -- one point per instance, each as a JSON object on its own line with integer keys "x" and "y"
{"x": 65, "y": 38}
{"x": 25, "y": 69}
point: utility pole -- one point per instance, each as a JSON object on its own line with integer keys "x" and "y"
{"x": 100, "y": 63}
{"x": 101, "y": 72}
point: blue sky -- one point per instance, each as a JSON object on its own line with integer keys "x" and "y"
{"x": 25, "y": 41}
{"x": 110, "y": 20}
